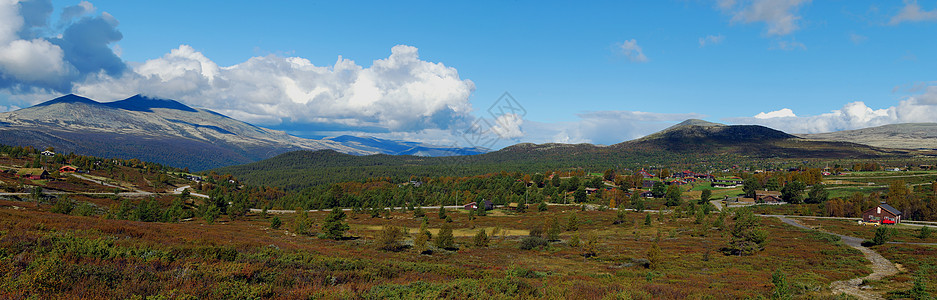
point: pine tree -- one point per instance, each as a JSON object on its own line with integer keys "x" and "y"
{"x": 334, "y": 226}
{"x": 302, "y": 222}
{"x": 553, "y": 233}
{"x": 572, "y": 224}
{"x": 704, "y": 196}
{"x": 655, "y": 256}
{"x": 481, "y": 238}
{"x": 444, "y": 239}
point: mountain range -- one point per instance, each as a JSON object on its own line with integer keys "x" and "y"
{"x": 169, "y": 132}
{"x": 691, "y": 144}
{"x": 905, "y": 136}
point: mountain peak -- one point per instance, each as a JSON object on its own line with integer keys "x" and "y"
{"x": 146, "y": 104}
{"x": 70, "y": 98}
{"x": 698, "y": 122}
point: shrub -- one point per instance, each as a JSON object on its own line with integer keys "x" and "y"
{"x": 442, "y": 213}
{"x": 275, "y": 223}
{"x": 63, "y": 205}
{"x": 389, "y": 238}
{"x": 542, "y": 206}
{"x": 536, "y": 231}
{"x": 781, "y": 288}
{"x": 147, "y": 211}
{"x": 574, "y": 241}
{"x": 84, "y": 209}
{"x": 647, "y": 220}
{"x": 418, "y": 212}
{"x": 590, "y": 245}
{"x": 924, "y": 232}
{"x": 531, "y": 242}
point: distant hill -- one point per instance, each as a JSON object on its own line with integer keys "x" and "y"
{"x": 903, "y": 136}
{"x": 383, "y": 146}
{"x": 694, "y": 140}
{"x": 171, "y": 133}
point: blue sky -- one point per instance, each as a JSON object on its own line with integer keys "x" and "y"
{"x": 427, "y": 71}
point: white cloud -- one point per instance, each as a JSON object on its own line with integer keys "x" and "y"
{"x": 398, "y": 93}
{"x": 912, "y": 12}
{"x": 631, "y": 49}
{"x": 603, "y": 127}
{"x": 35, "y": 56}
{"x": 26, "y": 60}
{"x": 789, "y": 45}
{"x": 36, "y": 61}
{"x": 857, "y": 38}
{"x": 780, "y": 16}
{"x": 781, "y": 113}
{"x": 855, "y": 115}
{"x": 711, "y": 40}
{"x": 508, "y": 126}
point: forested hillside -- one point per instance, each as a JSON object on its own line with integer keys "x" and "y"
{"x": 683, "y": 146}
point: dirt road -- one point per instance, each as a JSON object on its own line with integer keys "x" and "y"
{"x": 881, "y": 267}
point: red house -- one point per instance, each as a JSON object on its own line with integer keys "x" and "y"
{"x": 883, "y": 213}
{"x": 68, "y": 169}
{"x": 32, "y": 174}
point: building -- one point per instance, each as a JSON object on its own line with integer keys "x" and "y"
{"x": 768, "y": 197}
{"x": 883, "y": 213}
{"x": 47, "y": 153}
{"x": 470, "y": 206}
{"x": 516, "y": 206}
{"x": 68, "y": 169}
{"x": 32, "y": 174}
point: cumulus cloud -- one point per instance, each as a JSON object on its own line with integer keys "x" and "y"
{"x": 508, "y": 126}
{"x": 780, "y": 16}
{"x": 711, "y": 40}
{"x": 397, "y": 93}
{"x": 784, "y": 112}
{"x": 912, "y": 12}
{"x": 855, "y": 115}
{"x": 603, "y": 127}
{"x": 36, "y": 57}
{"x": 631, "y": 49}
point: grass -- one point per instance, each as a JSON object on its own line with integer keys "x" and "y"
{"x": 246, "y": 259}
{"x": 900, "y": 233}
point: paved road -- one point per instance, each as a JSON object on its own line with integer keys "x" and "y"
{"x": 85, "y": 178}
{"x": 876, "y": 177}
{"x": 178, "y": 191}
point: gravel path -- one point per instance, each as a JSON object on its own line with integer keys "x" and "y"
{"x": 881, "y": 267}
